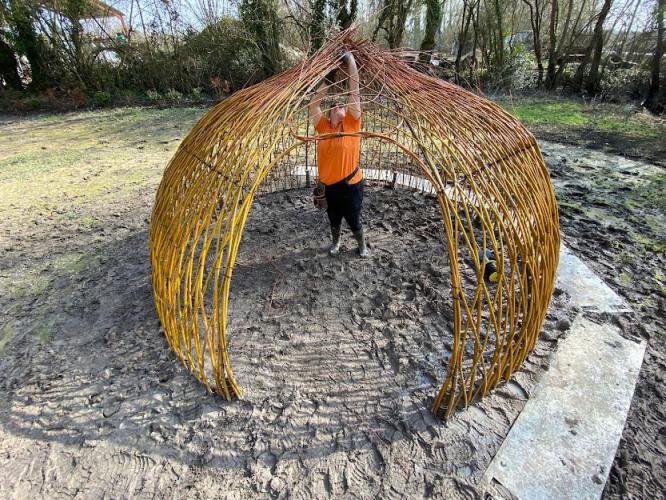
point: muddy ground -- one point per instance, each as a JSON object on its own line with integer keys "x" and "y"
{"x": 612, "y": 214}
{"x": 94, "y": 404}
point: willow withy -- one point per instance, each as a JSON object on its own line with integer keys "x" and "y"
{"x": 483, "y": 168}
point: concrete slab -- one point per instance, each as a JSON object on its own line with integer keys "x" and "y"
{"x": 563, "y": 443}
{"x": 586, "y": 289}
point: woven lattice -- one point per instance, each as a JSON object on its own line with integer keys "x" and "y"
{"x": 481, "y": 165}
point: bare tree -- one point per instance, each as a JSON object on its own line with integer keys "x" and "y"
{"x": 561, "y": 47}
{"x": 628, "y": 29}
{"x": 392, "y": 20}
{"x": 536, "y": 18}
{"x": 318, "y": 23}
{"x": 469, "y": 6}
{"x": 346, "y": 13}
{"x": 592, "y": 53}
{"x": 497, "y": 35}
{"x": 593, "y": 82}
{"x": 652, "y": 101}
{"x": 433, "y": 20}
{"x": 314, "y": 19}
{"x": 261, "y": 20}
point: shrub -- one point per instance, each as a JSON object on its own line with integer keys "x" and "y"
{"x": 101, "y": 98}
{"x": 11, "y": 100}
{"x": 78, "y": 97}
{"x": 31, "y": 103}
{"x": 522, "y": 74}
{"x": 222, "y": 50}
{"x": 154, "y": 96}
{"x": 624, "y": 84}
{"x": 196, "y": 94}
{"x": 128, "y": 97}
{"x": 173, "y": 96}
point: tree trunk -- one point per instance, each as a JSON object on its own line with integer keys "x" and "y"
{"x": 474, "y": 16}
{"x": 551, "y": 80}
{"x": 499, "y": 43}
{"x": 433, "y": 19}
{"x": 346, "y": 15}
{"x": 383, "y": 16}
{"x": 556, "y": 57}
{"x": 23, "y": 22}
{"x": 652, "y": 101}
{"x": 593, "y": 82}
{"x": 8, "y": 69}
{"x": 535, "y": 22}
{"x": 567, "y": 40}
{"x": 628, "y": 30}
{"x": 462, "y": 35}
{"x": 392, "y": 20}
{"x": 397, "y": 31}
{"x": 318, "y": 9}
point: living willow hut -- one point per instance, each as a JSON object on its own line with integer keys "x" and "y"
{"x": 481, "y": 166}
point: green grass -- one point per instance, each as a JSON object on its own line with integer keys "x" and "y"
{"x": 24, "y": 166}
{"x": 71, "y": 264}
{"x": 44, "y": 332}
{"x": 568, "y": 113}
{"x": 25, "y": 284}
{"x": 6, "y": 334}
{"x": 564, "y": 113}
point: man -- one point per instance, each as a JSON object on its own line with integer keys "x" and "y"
{"x": 338, "y": 157}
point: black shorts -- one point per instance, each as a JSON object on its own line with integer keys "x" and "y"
{"x": 345, "y": 200}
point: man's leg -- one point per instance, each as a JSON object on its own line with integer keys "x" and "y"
{"x": 352, "y": 215}
{"x": 334, "y": 212}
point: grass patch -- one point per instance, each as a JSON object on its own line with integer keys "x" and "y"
{"x": 30, "y": 283}
{"x": 655, "y": 191}
{"x": 79, "y": 158}
{"x": 648, "y": 243}
{"x": 72, "y": 263}
{"x": 26, "y": 165}
{"x": 87, "y": 221}
{"x": 6, "y": 334}
{"x": 564, "y": 113}
{"x": 571, "y": 113}
{"x": 625, "y": 279}
{"x": 44, "y": 332}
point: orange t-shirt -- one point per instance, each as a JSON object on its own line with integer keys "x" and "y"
{"x": 338, "y": 157}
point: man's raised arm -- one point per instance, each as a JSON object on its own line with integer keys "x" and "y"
{"x": 354, "y": 101}
{"x": 315, "y": 108}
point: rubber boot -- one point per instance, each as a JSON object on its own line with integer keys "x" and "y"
{"x": 360, "y": 238}
{"x": 334, "y": 249}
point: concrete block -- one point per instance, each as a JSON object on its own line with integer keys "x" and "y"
{"x": 586, "y": 289}
{"x": 563, "y": 443}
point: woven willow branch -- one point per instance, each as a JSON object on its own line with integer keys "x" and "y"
{"x": 482, "y": 166}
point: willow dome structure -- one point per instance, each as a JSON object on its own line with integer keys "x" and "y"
{"x": 483, "y": 168}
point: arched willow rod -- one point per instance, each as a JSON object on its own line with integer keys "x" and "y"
{"x": 481, "y": 165}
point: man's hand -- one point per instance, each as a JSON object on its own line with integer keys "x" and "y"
{"x": 347, "y": 57}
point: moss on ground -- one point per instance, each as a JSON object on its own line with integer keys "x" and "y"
{"x": 7, "y": 332}
{"x": 43, "y": 332}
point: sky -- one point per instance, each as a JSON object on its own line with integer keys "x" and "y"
{"x": 193, "y": 12}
